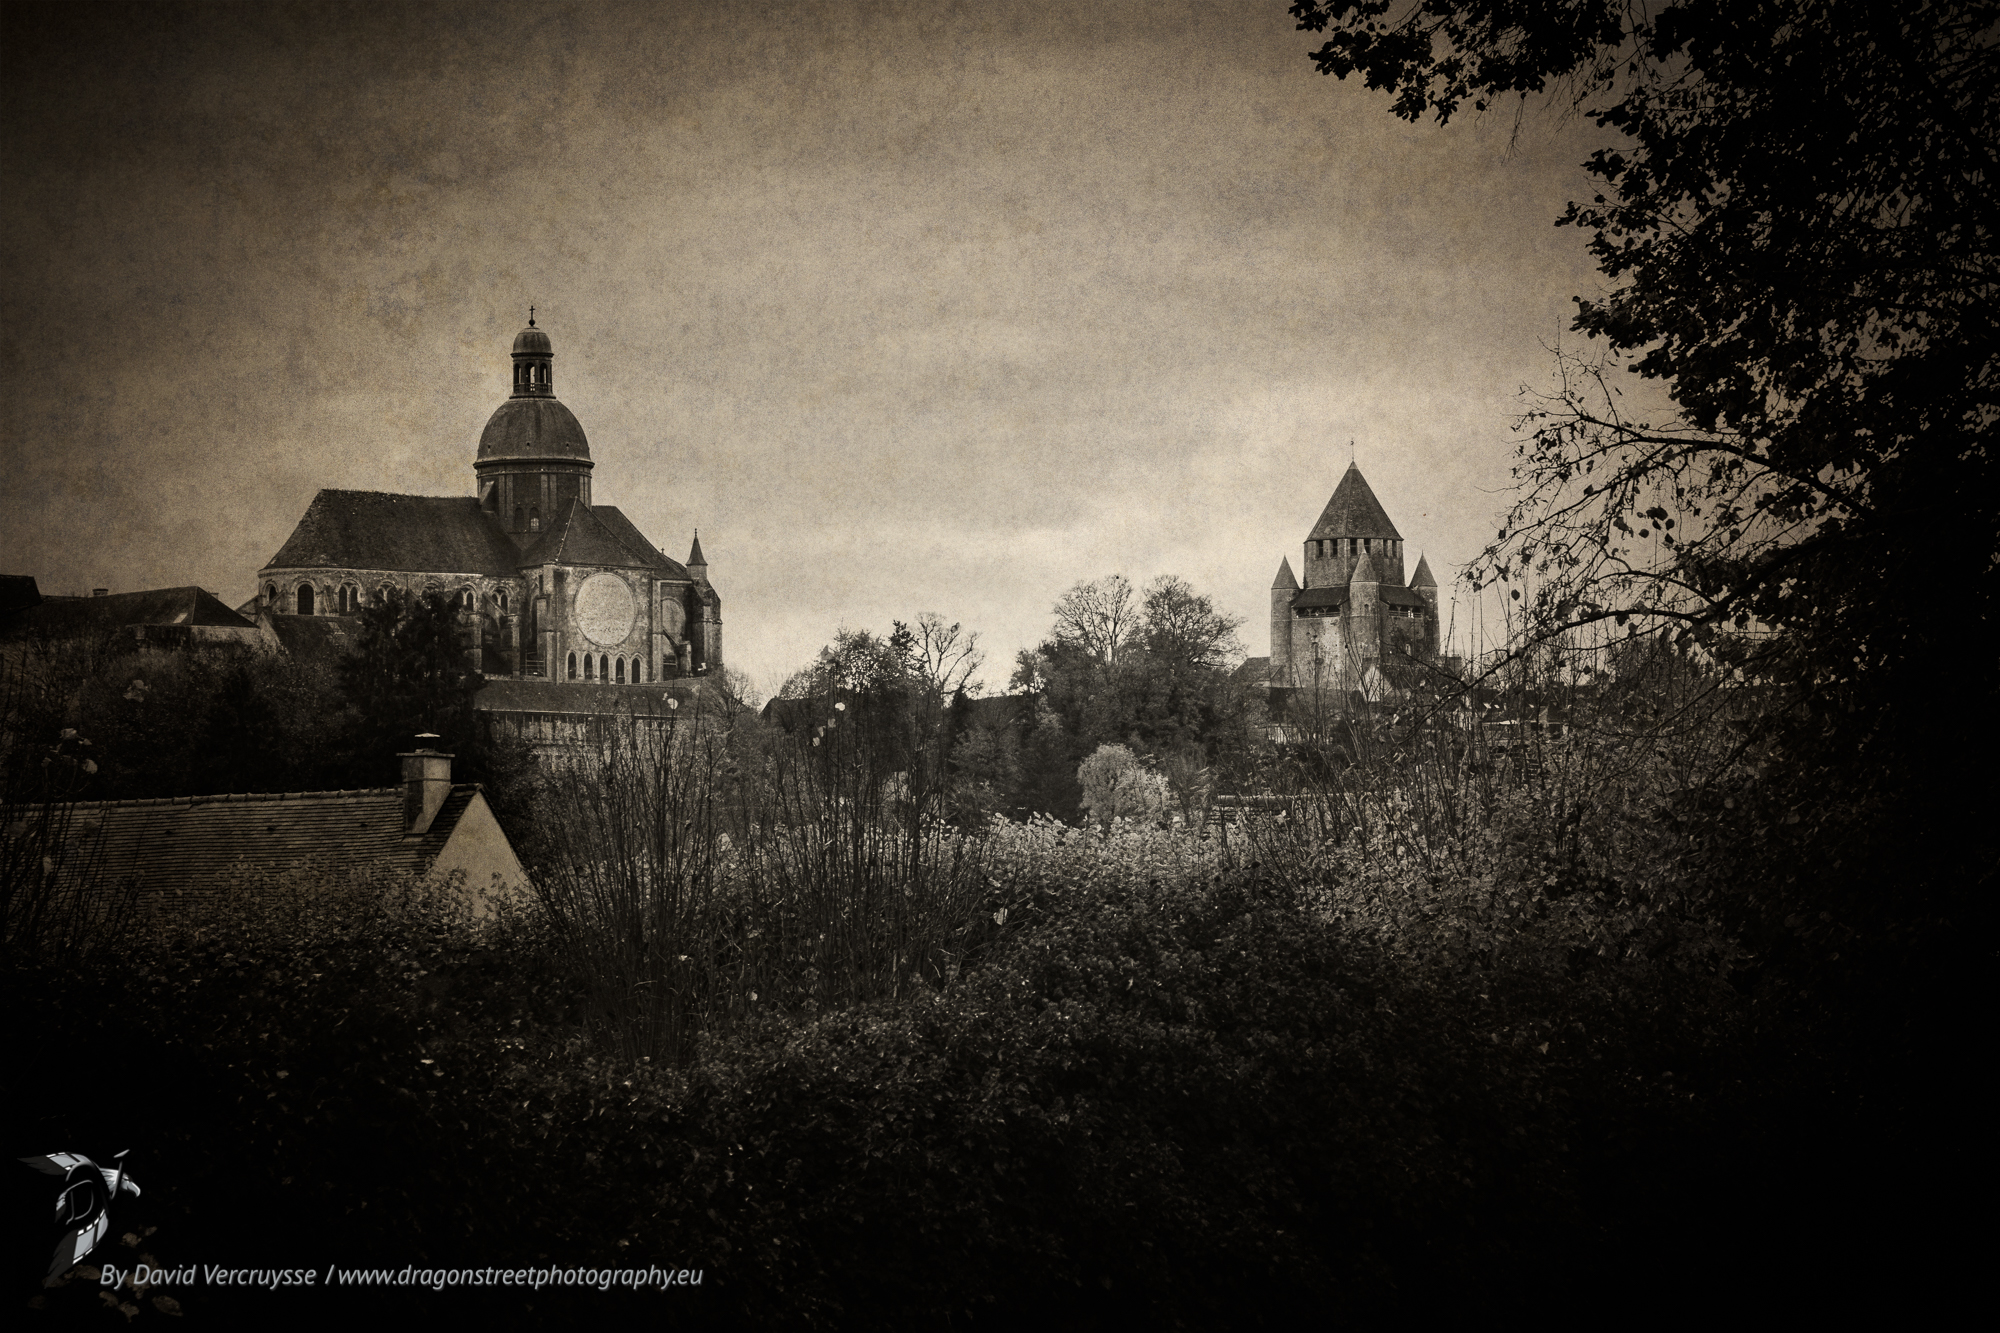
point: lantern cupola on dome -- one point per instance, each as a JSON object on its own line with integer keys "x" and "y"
{"x": 533, "y": 458}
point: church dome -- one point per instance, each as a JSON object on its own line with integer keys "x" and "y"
{"x": 532, "y": 341}
{"x": 532, "y": 428}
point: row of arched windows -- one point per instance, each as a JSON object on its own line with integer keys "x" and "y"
{"x": 527, "y": 520}
{"x": 1326, "y": 548}
{"x": 347, "y": 599}
{"x": 529, "y": 373}
{"x": 606, "y": 670}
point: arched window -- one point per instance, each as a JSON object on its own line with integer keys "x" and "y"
{"x": 305, "y": 599}
{"x": 350, "y": 599}
{"x": 535, "y": 519}
{"x": 386, "y": 592}
{"x": 603, "y": 667}
{"x": 589, "y": 667}
{"x": 572, "y": 666}
{"x": 468, "y": 600}
{"x": 520, "y": 518}
{"x": 621, "y": 671}
{"x": 500, "y": 601}
{"x": 271, "y": 594}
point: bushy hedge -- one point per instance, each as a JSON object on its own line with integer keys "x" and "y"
{"x": 1168, "y": 1089}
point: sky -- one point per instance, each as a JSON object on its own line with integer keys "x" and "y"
{"x": 906, "y": 307}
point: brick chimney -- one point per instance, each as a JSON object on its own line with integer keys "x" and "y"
{"x": 426, "y": 782}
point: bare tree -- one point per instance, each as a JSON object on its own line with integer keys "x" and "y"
{"x": 1100, "y": 618}
{"x": 942, "y": 656}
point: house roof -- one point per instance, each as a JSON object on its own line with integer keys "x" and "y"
{"x": 158, "y": 606}
{"x": 201, "y": 843}
{"x": 317, "y": 638}
{"x": 1354, "y": 512}
{"x": 419, "y": 534}
{"x": 18, "y": 592}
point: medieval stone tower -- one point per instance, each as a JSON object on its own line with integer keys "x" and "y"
{"x": 1354, "y": 612}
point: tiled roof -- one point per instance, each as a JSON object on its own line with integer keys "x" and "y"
{"x": 580, "y": 537}
{"x": 159, "y": 606}
{"x": 695, "y": 557}
{"x": 1354, "y": 512}
{"x": 1390, "y": 594}
{"x": 201, "y": 843}
{"x": 505, "y": 695}
{"x": 1422, "y": 578}
{"x": 433, "y": 534}
{"x": 1285, "y": 577}
{"x": 18, "y": 592}
{"x": 632, "y": 539}
{"x": 317, "y": 638}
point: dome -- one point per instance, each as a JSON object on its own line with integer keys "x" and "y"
{"x": 532, "y": 428}
{"x": 531, "y": 341}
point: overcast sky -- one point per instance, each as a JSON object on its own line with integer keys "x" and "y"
{"x": 924, "y": 307}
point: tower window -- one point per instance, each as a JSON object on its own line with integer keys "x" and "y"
{"x": 535, "y": 520}
{"x": 270, "y": 594}
{"x": 305, "y": 599}
{"x": 589, "y": 667}
{"x": 621, "y": 671}
{"x": 603, "y": 667}
{"x": 572, "y": 666}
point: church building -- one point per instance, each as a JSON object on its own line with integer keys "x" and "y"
{"x": 552, "y": 587}
{"x": 1354, "y": 621}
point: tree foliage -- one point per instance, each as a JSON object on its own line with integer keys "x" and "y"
{"x": 1797, "y": 207}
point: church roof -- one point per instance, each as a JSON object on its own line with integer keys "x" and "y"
{"x": 419, "y": 534}
{"x": 629, "y": 535}
{"x": 532, "y": 427}
{"x": 1422, "y": 578}
{"x": 1364, "y": 570}
{"x": 1354, "y": 512}
{"x": 695, "y": 557}
{"x": 596, "y": 535}
{"x": 1329, "y": 596}
{"x": 1285, "y": 578}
